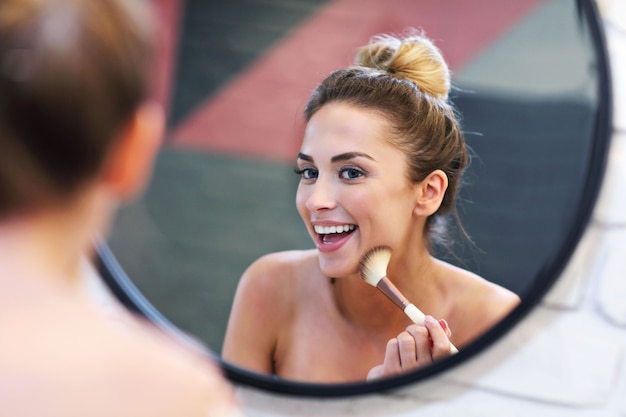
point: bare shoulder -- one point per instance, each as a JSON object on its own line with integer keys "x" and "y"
{"x": 179, "y": 374}
{"x": 177, "y": 377}
{"x": 479, "y": 303}
{"x": 275, "y": 274}
{"x": 146, "y": 372}
{"x": 282, "y": 262}
{"x": 265, "y": 308}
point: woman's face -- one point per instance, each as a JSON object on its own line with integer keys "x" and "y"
{"x": 354, "y": 191}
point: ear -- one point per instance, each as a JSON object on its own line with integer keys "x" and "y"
{"x": 430, "y": 192}
{"x": 129, "y": 166}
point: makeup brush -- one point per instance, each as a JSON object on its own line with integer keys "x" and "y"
{"x": 373, "y": 270}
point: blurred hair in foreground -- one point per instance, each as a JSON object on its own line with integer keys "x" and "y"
{"x": 78, "y": 135}
{"x": 72, "y": 74}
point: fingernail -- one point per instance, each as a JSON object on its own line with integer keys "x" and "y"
{"x": 444, "y": 324}
{"x": 430, "y": 320}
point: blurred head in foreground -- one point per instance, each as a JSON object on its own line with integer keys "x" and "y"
{"x": 78, "y": 135}
{"x": 74, "y": 91}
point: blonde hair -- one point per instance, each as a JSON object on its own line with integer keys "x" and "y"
{"x": 414, "y": 58}
{"x": 407, "y": 81}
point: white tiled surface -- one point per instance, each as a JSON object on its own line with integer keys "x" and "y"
{"x": 566, "y": 359}
{"x": 575, "y": 368}
{"x": 612, "y": 199}
{"x": 568, "y": 291}
{"x": 611, "y": 297}
{"x": 615, "y": 24}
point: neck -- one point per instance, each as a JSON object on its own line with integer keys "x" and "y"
{"x": 414, "y": 273}
{"x": 365, "y": 308}
{"x": 48, "y": 246}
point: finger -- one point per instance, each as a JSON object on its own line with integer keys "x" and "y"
{"x": 440, "y": 341}
{"x": 392, "y": 363}
{"x": 376, "y": 372}
{"x": 407, "y": 350}
{"x": 446, "y": 328}
{"x": 422, "y": 344}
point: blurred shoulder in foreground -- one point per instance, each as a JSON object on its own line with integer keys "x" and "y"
{"x": 78, "y": 135}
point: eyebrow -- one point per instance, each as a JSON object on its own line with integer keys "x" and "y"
{"x": 350, "y": 155}
{"x": 341, "y": 157}
{"x": 305, "y": 157}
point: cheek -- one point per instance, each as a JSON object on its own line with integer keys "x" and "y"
{"x": 359, "y": 202}
{"x": 388, "y": 213}
{"x": 301, "y": 199}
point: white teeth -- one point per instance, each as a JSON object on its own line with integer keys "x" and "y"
{"x": 324, "y": 230}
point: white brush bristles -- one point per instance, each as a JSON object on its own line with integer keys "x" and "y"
{"x": 374, "y": 264}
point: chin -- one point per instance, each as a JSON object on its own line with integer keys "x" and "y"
{"x": 337, "y": 268}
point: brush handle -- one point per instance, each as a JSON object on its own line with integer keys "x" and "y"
{"x": 393, "y": 293}
{"x": 418, "y": 317}
{"x": 415, "y": 314}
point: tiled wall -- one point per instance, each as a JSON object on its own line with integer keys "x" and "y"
{"x": 566, "y": 358}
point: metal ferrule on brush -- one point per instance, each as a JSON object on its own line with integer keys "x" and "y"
{"x": 391, "y": 291}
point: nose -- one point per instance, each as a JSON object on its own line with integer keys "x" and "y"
{"x": 320, "y": 196}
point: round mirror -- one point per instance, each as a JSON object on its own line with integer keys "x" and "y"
{"x": 530, "y": 81}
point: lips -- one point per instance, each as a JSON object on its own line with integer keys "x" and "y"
{"x": 331, "y": 238}
{"x": 335, "y": 229}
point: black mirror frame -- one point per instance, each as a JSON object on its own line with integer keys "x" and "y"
{"x": 125, "y": 291}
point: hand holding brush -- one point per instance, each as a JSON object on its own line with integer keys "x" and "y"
{"x": 373, "y": 270}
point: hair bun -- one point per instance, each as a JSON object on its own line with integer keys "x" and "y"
{"x": 414, "y": 58}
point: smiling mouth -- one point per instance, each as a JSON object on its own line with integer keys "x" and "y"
{"x": 331, "y": 234}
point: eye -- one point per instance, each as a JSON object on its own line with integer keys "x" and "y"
{"x": 306, "y": 173}
{"x": 351, "y": 173}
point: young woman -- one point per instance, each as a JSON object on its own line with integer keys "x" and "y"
{"x": 78, "y": 135}
{"x": 380, "y": 164}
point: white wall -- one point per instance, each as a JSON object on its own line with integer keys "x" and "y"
{"x": 566, "y": 357}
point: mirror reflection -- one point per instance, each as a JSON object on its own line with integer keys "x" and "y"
{"x": 379, "y": 165}
{"x": 224, "y": 195}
